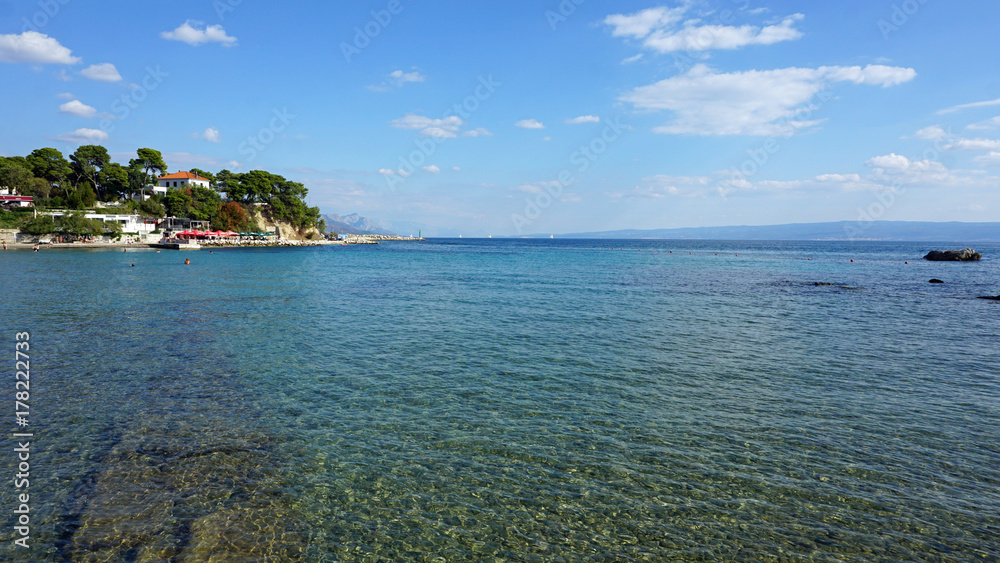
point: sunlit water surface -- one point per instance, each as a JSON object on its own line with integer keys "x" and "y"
{"x": 509, "y": 400}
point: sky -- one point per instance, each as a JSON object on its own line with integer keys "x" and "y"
{"x": 521, "y": 117}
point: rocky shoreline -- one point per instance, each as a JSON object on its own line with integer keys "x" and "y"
{"x": 125, "y": 245}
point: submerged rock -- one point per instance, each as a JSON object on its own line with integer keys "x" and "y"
{"x": 967, "y": 255}
{"x": 996, "y": 298}
{"x": 935, "y": 280}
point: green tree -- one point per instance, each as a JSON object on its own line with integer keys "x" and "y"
{"x": 151, "y": 208}
{"x": 41, "y": 225}
{"x": 229, "y": 182}
{"x": 204, "y": 203}
{"x": 83, "y": 197}
{"x": 231, "y": 216}
{"x": 149, "y": 161}
{"x": 255, "y": 186}
{"x": 15, "y": 176}
{"x": 206, "y": 175}
{"x": 48, "y": 163}
{"x": 88, "y": 163}
{"x": 137, "y": 180}
{"x": 114, "y": 178}
{"x": 179, "y": 203}
{"x": 77, "y": 224}
{"x": 38, "y": 188}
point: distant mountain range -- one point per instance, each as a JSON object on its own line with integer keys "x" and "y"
{"x": 353, "y": 224}
{"x": 843, "y": 230}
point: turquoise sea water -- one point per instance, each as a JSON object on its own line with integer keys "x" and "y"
{"x": 508, "y": 400}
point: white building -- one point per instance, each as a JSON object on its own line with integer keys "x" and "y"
{"x": 182, "y": 179}
{"x": 148, "y": 192}
{"x": 129, "y": 223}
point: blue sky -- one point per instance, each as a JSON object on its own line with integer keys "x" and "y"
{"x": 534, "y": 117}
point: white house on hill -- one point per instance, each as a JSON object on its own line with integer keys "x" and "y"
{"x": 182, "y": 179}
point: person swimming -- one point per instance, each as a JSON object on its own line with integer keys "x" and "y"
{"x": 187, "y": 260}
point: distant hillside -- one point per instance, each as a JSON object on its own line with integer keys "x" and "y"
{"x": 353, "y": 224}
{"x": 843, "y": 230}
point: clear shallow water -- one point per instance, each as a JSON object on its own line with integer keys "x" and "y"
{"x": 511, "y": 400}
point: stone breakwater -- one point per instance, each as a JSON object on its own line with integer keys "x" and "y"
{"x": 253, "y": 243}
{"x": 375, "y": 239}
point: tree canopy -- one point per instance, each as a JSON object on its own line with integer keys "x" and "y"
{"x": 149, "y": 160}
{"x": 89, "y": 175}
{"x": 89, "y": 161}
{"x": 49, "y": 164}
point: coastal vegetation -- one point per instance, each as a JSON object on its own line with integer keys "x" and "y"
{"x": 89, "y": 178}
{"x": 74, "y": 224}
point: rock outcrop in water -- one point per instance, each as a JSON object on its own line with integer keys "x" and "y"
{"x": 995, "y": 298}
{"x": 935, "y": 280}
{"x": 967, "y": 255}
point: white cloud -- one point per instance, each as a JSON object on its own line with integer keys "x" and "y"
{"x": 456, "y": 168}
{"x": 641, "y": 24}
{"x": 974, "y": 145}
{"x": 478, "y": 132}
{"x": 954, "y": 109}
{"x": 584, "y": 119}
{"x": 711, "y": 37}
{"x": 633, "y": 59}
{"x": 838, "y": 178}
{"x": 440, "y": 128}
{"x": 659, "y": 31}
{"x": 77, "y": 108}
{"x": 211, "y": 134}
{"x": 189, "y": 33}
{"x": 888, "y": 173}
{"x": 754, "y": 102}
{"x": 931, "y": 133}
{"x": 529, "y": 124}
{"x": 36, "y": 48}
{"x": 105, "y": 72}
{"x": 990, "y": 159}
{"x": 396, "y": 79}
{"x": 433, "y": 169}
{"x": 400, "y": 77}
{"x": 65, "y": 96}
{"x": 985, "y": 125}
{"x": 893, "y": 163}
{"x": 663, "y": 185}
{"x": 83, "y": 136}
{"x": 529, "y": 189}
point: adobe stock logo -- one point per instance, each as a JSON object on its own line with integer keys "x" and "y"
{"x": 255, "y": 144}
{"x": 364, "y": 36}
{"x": 47, "y": 11}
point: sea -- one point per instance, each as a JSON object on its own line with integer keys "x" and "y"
{"x": 502, "y": 400}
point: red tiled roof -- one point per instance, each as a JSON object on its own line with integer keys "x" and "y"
{"x": 183, "y": 176}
